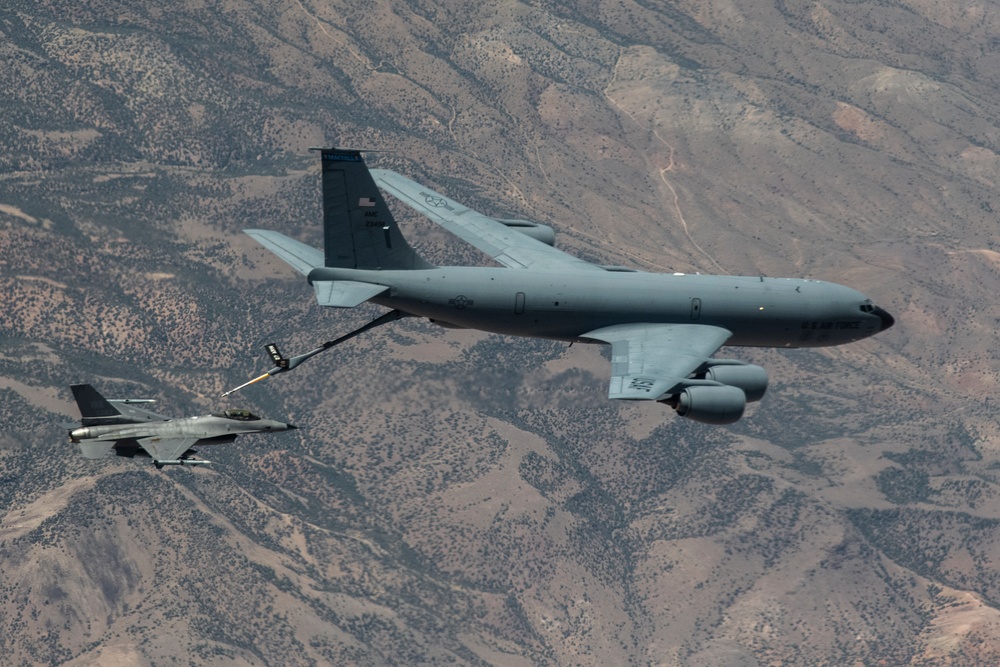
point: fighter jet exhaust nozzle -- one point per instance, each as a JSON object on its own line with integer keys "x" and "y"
{"x": 78, "y": 434}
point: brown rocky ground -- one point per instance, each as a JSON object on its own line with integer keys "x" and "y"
{"x": 454, "y": 497}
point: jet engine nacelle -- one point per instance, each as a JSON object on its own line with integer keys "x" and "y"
{"x": 542, "y": 233}
{"x": 711, "y": 405}
{"x": 748, "y": 377}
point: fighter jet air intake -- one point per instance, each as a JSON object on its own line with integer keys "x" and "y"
{"x": 117, "y": 424}
{"x": 663, "y": 328}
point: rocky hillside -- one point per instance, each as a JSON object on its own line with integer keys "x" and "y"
{"x": 460, "y": 498}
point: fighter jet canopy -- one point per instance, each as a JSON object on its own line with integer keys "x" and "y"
{"x": 238, "y": 415}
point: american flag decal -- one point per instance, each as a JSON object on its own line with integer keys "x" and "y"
{"x": 366, "y": 201}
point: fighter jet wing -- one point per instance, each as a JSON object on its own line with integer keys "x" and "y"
{"x": 650, "y": 360}
{"x": 166, "y": 449}
{"x": 504, "y": 244}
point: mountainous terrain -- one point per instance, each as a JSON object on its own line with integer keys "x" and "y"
{"x": 454, "y": 497}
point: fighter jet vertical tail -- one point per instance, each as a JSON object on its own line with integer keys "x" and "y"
{"x": 359, "y": 230}
{"x": 94, "y": 408}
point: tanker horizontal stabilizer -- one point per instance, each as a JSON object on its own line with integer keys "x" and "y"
{"x": 345, "y": 293}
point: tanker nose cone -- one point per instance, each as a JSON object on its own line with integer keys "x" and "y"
{"x": 887, "y": 319}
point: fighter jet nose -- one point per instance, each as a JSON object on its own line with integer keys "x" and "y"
{"x": 292, "y": 427}
{"x": 887, "y": 319}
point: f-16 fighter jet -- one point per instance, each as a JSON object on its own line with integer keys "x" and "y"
{"x": 662, "y": 328}
{"x": 118, "y": 424}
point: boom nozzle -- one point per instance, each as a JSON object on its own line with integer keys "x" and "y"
{"x": 253, "y": 381}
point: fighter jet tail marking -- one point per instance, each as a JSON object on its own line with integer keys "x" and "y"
{"x": 94, "y": 408}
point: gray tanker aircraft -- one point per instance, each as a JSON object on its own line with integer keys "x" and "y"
{"x": 663, "y": 328}
{"x": 117, "y": 424}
